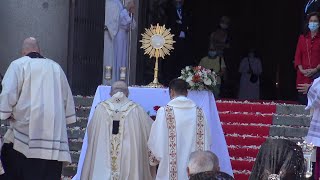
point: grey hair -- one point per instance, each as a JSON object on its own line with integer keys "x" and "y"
{"x": 119, "y": 86}
{"x": 215, "y": 159}
{"x": 200, "y": 161}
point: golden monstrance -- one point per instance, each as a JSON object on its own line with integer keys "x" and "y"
{"x": 157, "y": 41}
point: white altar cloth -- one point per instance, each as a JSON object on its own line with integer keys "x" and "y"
{"x": 150, "y": 97}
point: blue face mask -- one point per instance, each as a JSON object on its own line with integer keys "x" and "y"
{"x": 313, "y": 26}
{"x": 179, "y": 4}
{"x": 212, "y": 54}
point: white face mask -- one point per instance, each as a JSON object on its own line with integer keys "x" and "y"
{"x": 313, "y": 26}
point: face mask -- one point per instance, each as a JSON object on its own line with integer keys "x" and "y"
{"x": 178, "y": 4}
{"x": 313, "y": 26}
{"x": 212, "y": 54}
{"x": 224, "y": 26}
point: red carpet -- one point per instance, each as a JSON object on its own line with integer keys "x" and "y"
{"x": 244, "y": 152}
{"x": 242, "y": 165}
{"x": 246, "y": 126}
{"x": 246, "y": 130}
{"x": 246, "y": 118}
{"x": 240, "y": 107}
{"x": 245, "y": 141}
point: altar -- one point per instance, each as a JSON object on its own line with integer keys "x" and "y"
{"x": 148, "y": 98}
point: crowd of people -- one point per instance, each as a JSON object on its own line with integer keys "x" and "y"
{"x": 250, "y": 67}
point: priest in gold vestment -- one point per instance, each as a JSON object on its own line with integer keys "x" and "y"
{"x": 117, "y": 139}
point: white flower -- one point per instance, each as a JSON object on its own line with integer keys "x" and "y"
{"x": 191, "y": 83}
{"x": 205, "y": 75}
{"x": 207, "y": 81}
{"x": 187, "y": 68}
{"x": 189, "y": 78}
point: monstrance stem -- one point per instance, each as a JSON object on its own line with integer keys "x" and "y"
{"x": 156, "y": 70}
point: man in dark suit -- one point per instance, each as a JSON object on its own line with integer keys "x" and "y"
{"x": 178, "y": 20}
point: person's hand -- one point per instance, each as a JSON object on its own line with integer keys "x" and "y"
{"x": 310, "y": 72}
{"x": 304, "y": 72}
{"x": 131, "y": 7}
{"x": 303, "y": 88}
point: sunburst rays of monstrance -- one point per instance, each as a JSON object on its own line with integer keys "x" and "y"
{"x": 157, "y": 42}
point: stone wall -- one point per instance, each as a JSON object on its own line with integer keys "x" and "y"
{"x": 47, "y": 20}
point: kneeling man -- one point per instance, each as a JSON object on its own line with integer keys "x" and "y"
{"x": 117, "y": 139}
{"x": 179, "y": 129}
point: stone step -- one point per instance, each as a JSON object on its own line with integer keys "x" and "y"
{"x": 83, "y": 112}
{"x": 287, "y": 131}
{"x": 81, "y": 123}
{"x": 75, "y": 157}
{"x": 291, "y": 109}
{"x": 75, "y": 146}
{"x": 292, "y": 120}
{"x": 83, "y": 101}
{"x": 76, "y": 133}
{"x": 69, "y": 171}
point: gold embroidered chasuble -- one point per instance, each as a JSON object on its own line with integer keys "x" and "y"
{"x": 180, "y": 128}
{"x": 118, "y": 134}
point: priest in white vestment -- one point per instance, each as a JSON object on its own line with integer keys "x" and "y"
{"x": 179, "y": 129}
{"x": 37, "y": 101}
{"x": 117, "y": 140}
{"x": 117, "y": 26}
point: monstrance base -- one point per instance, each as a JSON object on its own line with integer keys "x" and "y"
{"x": 154, "y": 85}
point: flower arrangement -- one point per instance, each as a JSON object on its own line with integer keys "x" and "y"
{"x": 199, "y": 78}
{"x": 155, "y": 108}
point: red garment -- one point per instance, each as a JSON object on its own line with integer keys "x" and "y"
{"x": 307, "y": 55}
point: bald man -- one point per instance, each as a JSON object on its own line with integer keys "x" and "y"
{"x": 37, "y": 101}
{"x": 117, "y": 139}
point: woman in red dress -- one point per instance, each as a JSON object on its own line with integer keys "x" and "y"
{"x": 307, "y": 58}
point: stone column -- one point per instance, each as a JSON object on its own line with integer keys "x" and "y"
{"x": 46, "y": 20}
